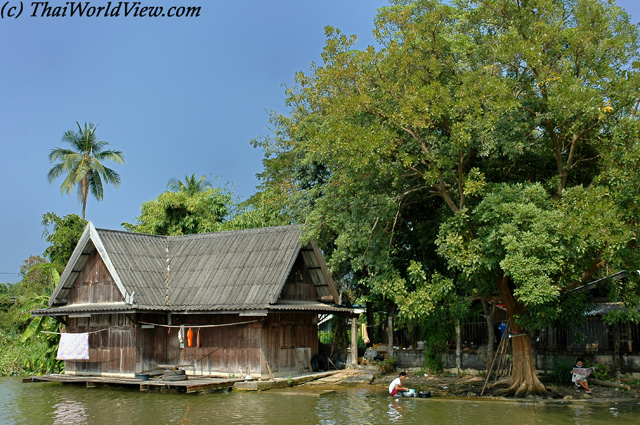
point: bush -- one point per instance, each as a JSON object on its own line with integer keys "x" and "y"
{"x": 35, "y": 357}
{"x": 325, "y": 337}
{"x": 386, "y": 366}
{"x": 562, "y": 370}
{"x": 602, "y": 372}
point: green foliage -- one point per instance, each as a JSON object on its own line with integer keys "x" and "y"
{"x": 561, "y": 370}
{"x": 33, "y": 358}
{"x": 484, "y": 149}
{"x": 387, "y": 366}
{"x": 25, "y": 349}
{"x": 438, "y": 331}
{"x": 190, "y": 185}
{"x": 183, "y": 213}
{"x": 194, "y": 206}
{"x": 325, "y": 337}
{"x": 264, "y": 209}
{"x": 63, "y": 237}
{"x": 83, "y": 164}
{"x": 601, "y": 371}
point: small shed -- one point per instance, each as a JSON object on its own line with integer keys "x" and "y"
{"x": 217, "y": 303}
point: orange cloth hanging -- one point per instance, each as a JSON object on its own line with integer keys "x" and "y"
{"x": 189, "y": 337}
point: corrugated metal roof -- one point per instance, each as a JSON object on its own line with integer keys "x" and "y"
{"x": 233, "y": 270}
{"x": 140, "y": 262}
{"x": 230, "y": 268}
{"x": 601, "y": 309}
{"x": 84, "y": 308}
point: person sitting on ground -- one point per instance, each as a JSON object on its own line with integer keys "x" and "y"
{"x": 396, "y": 388}
{"x": 579, "y": 375}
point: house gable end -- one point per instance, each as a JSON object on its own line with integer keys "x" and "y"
{"x": 88, "y": 244}
{"x": 94, "y": 284}
{"x": 299, "y": 285}
{"x": 308, "y": 278}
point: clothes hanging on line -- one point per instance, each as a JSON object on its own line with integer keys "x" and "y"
{"x": 189, "y": 338}
{"x": 73, "y": 346}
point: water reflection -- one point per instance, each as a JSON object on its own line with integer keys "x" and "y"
{"x": 69, "y": 412}
{"x": 394, "y": 410}
{"x": 59, "y": 404}
{"x": 582, "y": 415}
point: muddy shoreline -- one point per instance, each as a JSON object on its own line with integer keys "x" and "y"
{"x": 461, "y": 386}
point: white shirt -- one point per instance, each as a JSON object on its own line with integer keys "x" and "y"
{"x": 394, "y": 383}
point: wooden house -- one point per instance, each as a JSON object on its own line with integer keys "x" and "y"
{"x": 250, "y": 299}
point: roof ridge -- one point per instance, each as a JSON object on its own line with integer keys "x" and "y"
{"x": 126, "y": 232}
{"x": 239, "y": 231}
{"x": 201, "y": 235}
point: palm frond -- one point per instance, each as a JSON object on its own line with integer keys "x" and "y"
{"x": 97, "y": 146}
{"x": 111, "y": 176}
{"x": 82, "y": 163}
{"x": 54, "y": 172}
{"x": 111, "y": 155}
{"x": 59, "y": 153}
{"x": 95, "y": 183}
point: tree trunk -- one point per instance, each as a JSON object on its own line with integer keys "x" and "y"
{"x": 370, "y": 321}
{"x": 458, "y": 345}
{"x": 390, "y": 314}
{"x": 523, "y": 380}
{"x": 489, "y": 313}
{"x": 84, "y": 189}
{"x": 617, "y": 369}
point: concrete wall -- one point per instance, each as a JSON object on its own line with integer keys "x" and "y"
{"x": 409, "y": 358}
{"x": 629, "y": 362}
{"x": 477, "y": 359}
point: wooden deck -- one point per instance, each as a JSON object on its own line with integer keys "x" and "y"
{"x": 191, "y": 385}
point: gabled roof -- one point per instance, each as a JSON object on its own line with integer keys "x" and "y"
{"x": 233, "y": 270}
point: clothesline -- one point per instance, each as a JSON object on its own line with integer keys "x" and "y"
{"x": 59, "y": 333}
{"x": 164, "y": 326}
{"x": 198, "y": 326}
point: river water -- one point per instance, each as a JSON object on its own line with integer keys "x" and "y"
{"x": 54, "y": 403}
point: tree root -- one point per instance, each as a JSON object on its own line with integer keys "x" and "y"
{"x": 518, "y": 389}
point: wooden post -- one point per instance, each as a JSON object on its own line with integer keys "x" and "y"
{"x": 306, "y": 354}
{"x": 616, "y": 349}
{"x": 390, "y": 332}
{"x": 265, "y": 363}
{"x": 458, "y": 345}
{"x": 354, "y": 341}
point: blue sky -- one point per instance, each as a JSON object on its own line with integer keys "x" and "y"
{"x": 176, "y": 95}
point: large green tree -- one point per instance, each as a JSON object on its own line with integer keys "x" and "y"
{"x": 484, "y": 144}
{"x": 83, "y": 164}
{"x": 181, "y": 213}
{"x": 63, "y": 233}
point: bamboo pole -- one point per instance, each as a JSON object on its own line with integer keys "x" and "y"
{"x": 502, "y": 340}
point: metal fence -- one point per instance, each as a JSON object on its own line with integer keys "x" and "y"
{"x": 592, "y": 336}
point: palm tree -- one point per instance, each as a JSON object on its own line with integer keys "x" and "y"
{"x": 190, "y": 186}
{"x": 83, "y": 164}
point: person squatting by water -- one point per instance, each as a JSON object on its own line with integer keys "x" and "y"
{"x": 396, "y": 388}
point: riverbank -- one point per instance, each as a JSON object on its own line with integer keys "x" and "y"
{"x": 468, "y": 386}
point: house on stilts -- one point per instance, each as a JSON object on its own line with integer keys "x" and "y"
{"x": 215, "y": 303}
